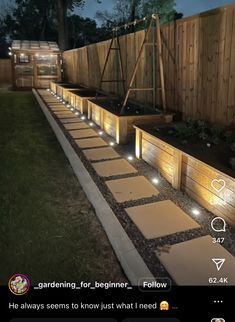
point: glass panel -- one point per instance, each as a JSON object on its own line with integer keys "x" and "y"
{"x": 46, "y": 59}
{"x": 24, "y": 58}
{"x": 46, "y": 70}
{"x": 26, "y": 70}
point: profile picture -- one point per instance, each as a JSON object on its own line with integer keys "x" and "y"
{"x": 19, "y": 284}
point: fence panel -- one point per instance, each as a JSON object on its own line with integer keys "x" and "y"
{"x": 199, "y": 66}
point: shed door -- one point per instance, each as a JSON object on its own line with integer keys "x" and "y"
{"x": 45, "y": 69}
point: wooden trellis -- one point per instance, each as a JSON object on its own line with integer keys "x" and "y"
{"x": 114, "y": 46}
{"x": 156, "y": 42}
{"x": 155, "y": 25}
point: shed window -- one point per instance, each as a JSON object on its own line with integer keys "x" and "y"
{"x": 24, "y": 58}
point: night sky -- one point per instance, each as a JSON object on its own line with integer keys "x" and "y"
{"x": 188, "y": 7}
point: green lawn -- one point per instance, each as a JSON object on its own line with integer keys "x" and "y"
{"x": 48, "y": 229}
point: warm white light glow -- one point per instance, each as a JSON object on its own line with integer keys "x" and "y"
{"x": 101, "y": 132}
{"x": 67, "y": 105}
{"x": 72, "y": 109}
{"x": 111, "y": 143}
{"x": 91, "y": 124}
{"x": 76, "y": 113}
{"x": 130, "y": 158}
{"x": 83, "y": 117}
{"x": 196, "y": 212}
{"x": 155, "y": 180}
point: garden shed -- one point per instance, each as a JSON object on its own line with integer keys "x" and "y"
{"x": 35, "y": 63}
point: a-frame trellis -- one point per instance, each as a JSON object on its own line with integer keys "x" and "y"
{"x": 114, "y": 46}
{"x": 154, "y": 25}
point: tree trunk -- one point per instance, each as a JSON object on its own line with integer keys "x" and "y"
{"x": 133, "y": 13}
{"x": 62, "y": 24}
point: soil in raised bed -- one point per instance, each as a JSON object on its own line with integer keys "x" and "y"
{"x": 67, "y": 85}
{"x": 114, "y": 106}
{"x": 216, "y": 156}
{"x": 88, "y": 93}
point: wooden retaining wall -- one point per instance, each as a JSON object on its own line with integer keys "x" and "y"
{"x": 189, "y": 174}
{"x": 5, "y": 71}
{"x": 199, "y": 64}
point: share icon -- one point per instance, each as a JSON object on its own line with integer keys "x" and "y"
{"x": 219, "y": 262}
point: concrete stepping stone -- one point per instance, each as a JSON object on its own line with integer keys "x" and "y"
{"x": 66, "y": 116}
{"x": 59, "y": 109}
{"x": 113, "y": 168}
{"x": 76, "y": 126}
{"x": 63, "y": 112}
{"x": 91, "y": 143}
{"x": 131, "y": 188}
{"x": 83, "y": 133}
{"x": 160, "y": 219}
{"x": 101, "y": 154}
{"x": 190, "y": 262}
{"x": 70, "y": 120}
{"x": 80, "y": 126}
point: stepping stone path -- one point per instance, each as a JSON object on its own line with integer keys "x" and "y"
{"x": 189, "y": 262}
{"x": 91, "y": 143}
{"x": 160, "y": 219}
{"x": 70, "y": 120}
{"x": 133, "y": 188}
{"x": 83, "y": 133}
{"x": 65, "y": 116}
{"x": 76, "y": 126}
{"x": 79, "y": 126}
{"x": 101, "y": 154}
{"x": 113, "y": 168}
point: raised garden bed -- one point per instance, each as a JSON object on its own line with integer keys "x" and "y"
{"x": 105, "y": 113}
{"x": 53, "y": 85}
{"x": 79, "y": 99}
{"x": 59, "y": 87}
{"x": 67, "y": 90}
{"x": 198, "y": 167}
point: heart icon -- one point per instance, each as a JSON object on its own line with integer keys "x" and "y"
{"x": 216, "y": 183}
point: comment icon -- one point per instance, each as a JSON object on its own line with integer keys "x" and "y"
{"x": 218, "y": 224}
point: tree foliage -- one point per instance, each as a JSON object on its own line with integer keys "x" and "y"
{"x": 128, "y": 10}
{"x": 43, "y": 20}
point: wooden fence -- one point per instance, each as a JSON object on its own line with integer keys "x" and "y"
{"x": 199, "y": 65}
{"x": 5, "y": 71}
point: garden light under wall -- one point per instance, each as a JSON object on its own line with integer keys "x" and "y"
{"x": 83, "y": 117}
{"x": 91, "y": 124}
{"x": 111, "y": 143}
{"x": 155, "y": 180}
{"x": 68, "y": 105}
{"x": 101, "y": 133}
{"x": 76, "y": 113}
{"x": 195, "y": 212}
{"x": 130, "y": 158}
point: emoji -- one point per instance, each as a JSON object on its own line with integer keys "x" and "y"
{"x": 164, "y": 306}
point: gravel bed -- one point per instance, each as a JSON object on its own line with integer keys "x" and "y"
{"x": 147, "y": 248}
